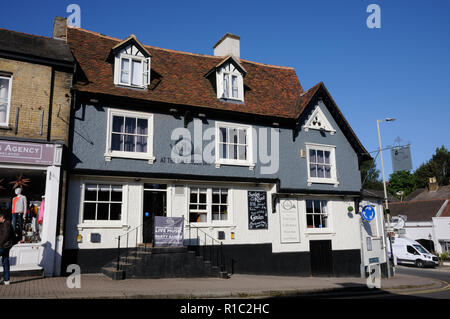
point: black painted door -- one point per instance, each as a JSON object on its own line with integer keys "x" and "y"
{"x": 154, "y": 205}
{"x": 321, "y": 257}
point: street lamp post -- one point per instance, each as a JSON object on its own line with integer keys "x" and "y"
{"x": 388, "y": 216}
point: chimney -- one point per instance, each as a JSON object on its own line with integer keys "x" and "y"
{"x": 60, "y": 28}
{"x": 432, "y": 184}
{"x": 228, "y": 45}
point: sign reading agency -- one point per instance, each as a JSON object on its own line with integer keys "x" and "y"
{"x": 169, "y": 231}
{"x": 29, "y": 153}
{"x": 257, "y": 210}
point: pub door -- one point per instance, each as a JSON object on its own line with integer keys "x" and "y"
{"x": 321, "y": 257}
{"x": 154, "y": 205}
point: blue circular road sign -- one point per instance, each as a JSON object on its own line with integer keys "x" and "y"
{"x": 368, "y": 213}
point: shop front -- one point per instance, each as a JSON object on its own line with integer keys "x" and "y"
{"x": 30, "y": 174}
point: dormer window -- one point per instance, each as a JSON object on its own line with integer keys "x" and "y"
{"x": 229, "y": 75}
{"x": 131, "y": 63}
{"x": 231, "y": 83}
{"x": 134, "y": 71}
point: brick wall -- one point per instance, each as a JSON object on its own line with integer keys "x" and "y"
{"x": 31, "y": 93}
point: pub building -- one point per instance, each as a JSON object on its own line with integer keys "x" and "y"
{"x": 35, "y": 79}
{"x": 250, "y": 161}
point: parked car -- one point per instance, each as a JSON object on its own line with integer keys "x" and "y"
{"x": 410, "y": 252}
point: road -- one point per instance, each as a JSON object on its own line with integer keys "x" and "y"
{"x": 442, "y": 274}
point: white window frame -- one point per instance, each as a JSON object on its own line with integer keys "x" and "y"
{"x": 133, "y": 155}
{"x": 146, "y": 67}
{"x": 322, "y": 180}
{"x": 8, "y": 107}
{"x": 329, "y": 213}
{"x": 103, "y": 223}
{"x": 240, "y": 83}
{"x": 209, "y": 221}
{"x": 249, "y": 137}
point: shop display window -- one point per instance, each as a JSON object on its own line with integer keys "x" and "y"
{"x": 25, "y": 209}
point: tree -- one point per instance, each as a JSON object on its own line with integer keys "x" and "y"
{"x": 370, "y": 176}
{"x": 401, "y": 181}
{"x": 438, "y": 166}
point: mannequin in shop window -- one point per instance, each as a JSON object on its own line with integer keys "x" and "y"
{"x": 19, "y": 207}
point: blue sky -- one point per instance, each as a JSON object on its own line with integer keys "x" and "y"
{"x": 401, "y": 70}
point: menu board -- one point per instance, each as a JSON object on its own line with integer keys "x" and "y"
{"x": 257, "y": 210}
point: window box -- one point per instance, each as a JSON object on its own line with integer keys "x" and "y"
{"x": 129, "y": 135}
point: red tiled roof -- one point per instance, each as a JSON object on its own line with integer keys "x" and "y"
{"x": 270, "y": 90}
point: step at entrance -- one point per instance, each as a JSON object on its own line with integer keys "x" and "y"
{"x": 162, "y": 262}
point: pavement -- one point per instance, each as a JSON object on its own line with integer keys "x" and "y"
{"x": 98, "y": 286}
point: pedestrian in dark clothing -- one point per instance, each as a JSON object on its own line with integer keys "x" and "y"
{"x": 6, "y": 242}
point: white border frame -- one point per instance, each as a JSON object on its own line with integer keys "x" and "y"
{"x": 209, "y": 222}
{"x": 316, "y": 180}
{"x": 10, "y": 78}
{"x": 132, "y": 155}
{"x": 122, "y": 223}
{"x": 221, "y": 161}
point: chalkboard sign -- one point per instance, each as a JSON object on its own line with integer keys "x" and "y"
{"x": 257, "y": 210}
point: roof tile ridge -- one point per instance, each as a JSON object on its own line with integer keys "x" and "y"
{"x": 181, "y": 52}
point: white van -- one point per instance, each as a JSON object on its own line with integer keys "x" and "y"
{"x": 410, "y": 252}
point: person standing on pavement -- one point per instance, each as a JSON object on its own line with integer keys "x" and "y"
{"x": 6, "y": 242}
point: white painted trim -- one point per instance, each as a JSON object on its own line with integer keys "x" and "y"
{"x": 118, "y": 68}
{"x": 326, "y": 126}
{"x": 133, "y": 155}
{"x": 209, "y": 222}
{"x": 317, "y": 180}
{"x": 122, "y": 223}
{"x": 222, "y": 161}
{"x": 8, "y": 108}
{"x": 219, "y": 83}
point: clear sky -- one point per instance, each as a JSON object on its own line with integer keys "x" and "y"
{"x": 401, "y": 70}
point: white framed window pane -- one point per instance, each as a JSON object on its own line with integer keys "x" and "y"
{"x": 142, "y": 126}
{"x": 320, "y": 157}
{"x": 129, "y": 143}
{"x": 320, "y": 171}
{"x": 4, "y": 99}
{"x": 327, "y": 157}
{"x": 117, "y": 142}
{"x": 234, "y": 136}
{"x": 327, "y": 171}
{"x": 130, "y": 125}
{"x": 89, "y": 211}
{"x": 125, "y": 71}
{"x": 117, "y": 126}
{"x": 223, "y": 134}
{"x": 115, "y": 211}
{"x": 136, "y": 73}
{"x": 225, "y": 85}
{"x": 242, "y": 152}
{"x": 242, "y": 136}
{"x": 312, "y": 170}
{"x": 3, "y": 112}
{"x": 102, "y": 211}
{"x": 90, "y": 193}
{"x": 234, "y": 84}
{"x": 141, "y": 144}
{"x": 312, "y": 156}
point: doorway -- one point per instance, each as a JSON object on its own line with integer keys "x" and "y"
{"x": 321, "y": 257}
{"x": 155, "y": 204}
